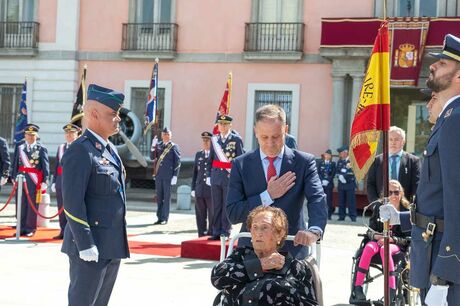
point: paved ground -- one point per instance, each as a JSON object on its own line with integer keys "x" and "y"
{"x": 37, "y": 273}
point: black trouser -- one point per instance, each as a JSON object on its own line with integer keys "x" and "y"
{"x": 163, "y": 188}
{"x": 203, "y": 211}
{"x": 91, "y": 283}
{"x": 220, "y": 224}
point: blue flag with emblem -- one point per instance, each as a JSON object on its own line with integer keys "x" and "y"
{"x": 151, "y": 105}
{"x": 21, "y": 120}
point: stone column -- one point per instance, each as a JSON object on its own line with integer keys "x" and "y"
{"x": 337, "y": 112}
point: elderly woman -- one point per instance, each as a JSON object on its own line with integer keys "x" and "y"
{"x": 397, "y": 241}
{"x": 261, "y": 275}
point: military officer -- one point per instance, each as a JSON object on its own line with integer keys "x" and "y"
{"x": 4, "y": 162}
{"x": 224, "y": 148}
{"x": 347, "y": 185}
{"x": 71, "y": 133}
{"x": 93, "y": 189}
{"x": 435, "y": 245}
{"x": 31, "y": 159}
{"x": 200, "y": 188}
{"x": 166, "y": 157}
{"x": 326, "y": 171}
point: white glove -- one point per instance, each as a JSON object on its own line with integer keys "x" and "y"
{"x": 3, "y": 180}
{"x": 154, "y": 143}
{"x": 437, "y": 295}
{"x": 389, "y": 213}
{"x": 91, "y": 254}
{"x": 343, "y": 170}
{"x": 43, "y": 186}
{"x": 342, "y": 179}
{"x": 325, "y": 183}
{"x": 53, "y": 187}
{"x": 208, "y": 181}
{"x": 174, "y": 180}
{"x": 192, "y": 193}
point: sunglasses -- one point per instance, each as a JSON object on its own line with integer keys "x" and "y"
{"x": 393, "y": 192}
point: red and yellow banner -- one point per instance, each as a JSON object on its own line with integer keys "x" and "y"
{"x": 373, "y": 111}
{"x": 224, "y": 106}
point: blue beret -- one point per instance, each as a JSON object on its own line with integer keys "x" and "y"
{"x": 166, "y": 130}
{"x": 106, "y": 96}
{"x": 450, "y": 50}
{"x": 224, "y": 118}
{"x": 31, "y": 129}
{"x": 342, "y": 148}
{"x": 328, "y": 151}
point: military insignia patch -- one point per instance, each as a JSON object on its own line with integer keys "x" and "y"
{"x": 448, "y": 113}
{"x": 98, "y": 145}
{"x": 104, "y": 162}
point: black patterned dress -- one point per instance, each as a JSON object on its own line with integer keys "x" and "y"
{"x": 243, "y": 282}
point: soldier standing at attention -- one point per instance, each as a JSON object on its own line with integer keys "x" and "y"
{"x": 71, "y": 133}
{"x": 166, "y": 157}
{"x": 200, "y": 188}
{"x": 224, "y": 148}
{"x": 4, "y": 162}
{"x": 326, "y": 172}
{"x": 32, "y": 160}
{"x": 347, "y": 186}
{"x": 93, "y": 189}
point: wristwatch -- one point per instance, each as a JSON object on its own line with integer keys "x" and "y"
{"x": 435, "y": 280}
{"x": 316, "y": 232}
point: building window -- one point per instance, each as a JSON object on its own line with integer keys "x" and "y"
{"x": 10, "y": 95}
{"x": 17, "y": 10}
{"x": 138, "y": 99}
{"x": 153, "y": 11}
{"x": 417, "y": 8}
{"x": 279, "y": 11}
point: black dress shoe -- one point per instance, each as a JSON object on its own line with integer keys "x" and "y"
{"x": 214, "y": 238}
{"x": 60, "y": 236}
{"x": 358, "y": 293}
{"x": 158, "y": 222}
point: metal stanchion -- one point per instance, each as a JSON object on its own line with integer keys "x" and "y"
{"x": 20, "y": 180}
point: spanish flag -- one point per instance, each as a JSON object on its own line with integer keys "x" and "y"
{"x": 373, "y": 111}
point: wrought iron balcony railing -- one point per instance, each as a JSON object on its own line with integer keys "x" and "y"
{"x": 149, "y": 37}
{"x": 19, "y": 35}
{"x": 274, "y": 37}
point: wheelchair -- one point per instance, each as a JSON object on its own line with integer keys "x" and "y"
{"x": 405, "y": 294}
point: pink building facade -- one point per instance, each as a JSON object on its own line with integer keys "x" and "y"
{"x": 272, "y": 47}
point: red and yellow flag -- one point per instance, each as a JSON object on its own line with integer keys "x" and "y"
{"x": 224, "y": 106}
{"x": 373, "y": 111}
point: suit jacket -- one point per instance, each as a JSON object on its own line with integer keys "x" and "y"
{"x": 38, "y": 154}
{"x": 232, "y": 148}
{"x": 409, "y": 175}
{"x": 93, "y": 189}
{"x": 170, "y": 164}
{"x": 4, "y": 158}
{"x": 200, "y": 174}
{"x": 437, "y": 196}
{"x": 247, "y": 182}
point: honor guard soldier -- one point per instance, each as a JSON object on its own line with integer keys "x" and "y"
{"x": 435, "y": 243}
{"x": 224, "y": 148}
{"x": 326, "y": 172}
{"x": 166, "y": 158}
{"x": 93, "y": 190}
{"x": 4, "y": 162}
{"x": 347, "y": 185}
{"x": 201, "y": 189}
{"x": 31, "y": 160}
{"x": 71, "y": 133}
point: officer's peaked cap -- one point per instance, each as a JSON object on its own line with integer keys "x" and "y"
{"x": 106, "y": 96}
{"x": 450, "y": 50}
{"x": 328, "y": 151}
{"x": 166, "y": 130}
{"x": 224, "y": 118}
{"x": 70, "y": 127}
{"x": 206, "y": 135}
{"x": 342, "y": 148}
{"x": 31, "y": 129}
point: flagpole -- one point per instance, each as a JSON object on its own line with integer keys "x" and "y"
{"x": 386, "y": 224}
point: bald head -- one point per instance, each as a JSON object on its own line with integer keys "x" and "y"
{"x": 101, "y": 119}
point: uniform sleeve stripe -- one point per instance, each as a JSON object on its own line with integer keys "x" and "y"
{"x": 76, "y": 219}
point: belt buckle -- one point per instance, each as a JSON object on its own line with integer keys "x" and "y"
{"x": 430, "y": 228}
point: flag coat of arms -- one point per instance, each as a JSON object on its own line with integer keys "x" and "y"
{"x": 373, "y": 110}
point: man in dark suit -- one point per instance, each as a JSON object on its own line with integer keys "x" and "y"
{"x": 435, "y": 243}
{"x": 166, "y": 158}
{"x": 4, "y": 162}
{"x": 276, "y": 175}
{"x": 347, "y": 186}
{"x": 225, "y": 147}
{"x": 403, "y": 167}
{"x": 200, "y": 188}
{"x": 31, "y": 160}
{"x": 71, "y": 133}
{"x": 326, "y": 171}
{"x": 93, "y": 189}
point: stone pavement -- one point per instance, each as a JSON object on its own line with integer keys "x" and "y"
{"x": 34, "y": 274}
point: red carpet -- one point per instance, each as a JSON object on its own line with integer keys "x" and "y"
{"x": 202, "y": 248}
